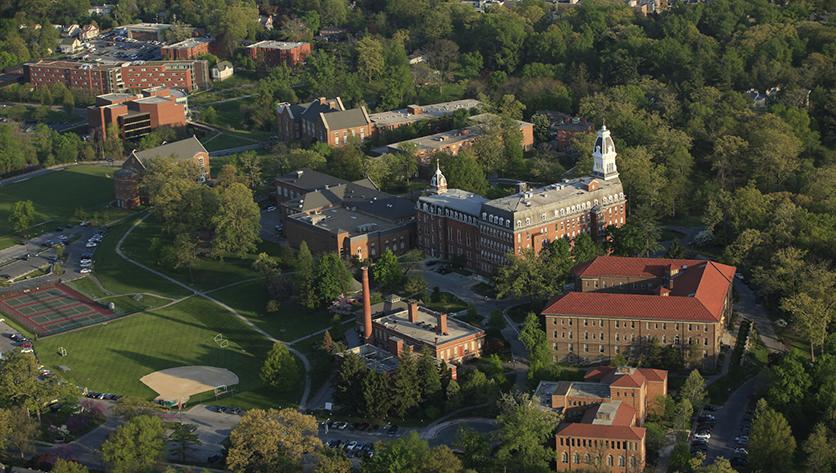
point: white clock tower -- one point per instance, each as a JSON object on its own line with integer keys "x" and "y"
{"x": 603, "y": 156}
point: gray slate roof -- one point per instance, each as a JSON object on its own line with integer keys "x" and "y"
{"x": 352, "y": 118}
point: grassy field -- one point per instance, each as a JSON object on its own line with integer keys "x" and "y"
{"x": 114, "y": 356}
{"x": 225, "y": 141}
{"x": 59, "y": 194}
{"x": 289, "y": 323}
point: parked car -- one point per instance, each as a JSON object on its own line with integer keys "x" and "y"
{"x": 272, "y": 208}
{"x": 703, "y": 434}
{"x": 85, "y": 270}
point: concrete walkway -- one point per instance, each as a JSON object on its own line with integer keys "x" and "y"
{"x": 204, "y": 294}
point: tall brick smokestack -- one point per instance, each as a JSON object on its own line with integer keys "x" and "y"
{"x": 367, "y": 307}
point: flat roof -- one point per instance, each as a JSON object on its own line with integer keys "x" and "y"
{"x": 583, "y": 389}
{"x": 428, "y": 112}
{"x": 546, "y": 389}
{"x": 457, "y": 199}
{"x": 337, "y": 219}
{"x": 147, "y": 26}
{"x": 272, "y": 44}
{"x": 431, "y": 143}
{"x": 424, "y": 329}
{"x": 375, "y": 358}
{"x": 565, "y": 192}
{"x": 187, "y": 43}
{"x": 153, "y": 99}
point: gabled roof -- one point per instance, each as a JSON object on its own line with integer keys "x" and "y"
{"x": 621, "y": 432}
{"x": 698, "y": 294}
{"x": 182, "y": 150}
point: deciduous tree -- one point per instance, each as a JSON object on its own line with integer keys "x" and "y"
{"x": 272, "y": 440}
{"x": 68, "y": 466}
{"x": 524, "y": 431}
{"x": 21, "y": 216}
{"x": 771, "y": 444}
{"x": 237, "y": 222}
{"x": 694, "y": 390}
{"x": 135, "y": 446}
{"x": 281, "y": 369}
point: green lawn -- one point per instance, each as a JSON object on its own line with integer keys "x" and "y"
{"x": 322, "y": 363}
{"x": 518, "y": 313}
{"x": 289, "y": 323}
{"x": 59, "y": 194}
{"x": 225, "y": 141}
{"x": 446, "y": 302}
{"x": 114, "y": 356}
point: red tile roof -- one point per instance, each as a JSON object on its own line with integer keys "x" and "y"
{"x": 634, "y": 379}
{"x": 619, "y": 432}
{"x": 654, "y": 375}
{"x": 698, "y": 294}
{"x": 625, "y": 414}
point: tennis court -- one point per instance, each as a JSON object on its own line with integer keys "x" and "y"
{"x": 53, "y": 309}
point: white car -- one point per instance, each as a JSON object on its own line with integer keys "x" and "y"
{"x": 703, "y": 435}
{"x": 91, "y": 244}
{"x": 272, "y": 208}
{"x": 85, "y": 270}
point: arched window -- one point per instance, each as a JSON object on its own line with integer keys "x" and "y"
{"x": 576, "y": 459}
{"x": 621, "y": 460}
{"x": 565, "y": 457}
{"x": 609, "y": 460}
{"x": 588, "y": 458}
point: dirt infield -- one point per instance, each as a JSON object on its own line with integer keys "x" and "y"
{"x": 52, "y": 309}
{"x": 177, "y": 384}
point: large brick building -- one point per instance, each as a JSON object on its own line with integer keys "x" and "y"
{"x": 128, "y": 179}
{"x": 456, "y": 224}
{"x": 279, "y": 52}
{"x": 323, "y": 120}
{"x": 135, "y": 115}
{"x": 621, "y": 304}
{"x": 190, "y": 48}
{"x": 410, "y": 327}
{"x": 354, "y": 219}
{"x": 603, "y": 415}
{"x": 107, "y": 79}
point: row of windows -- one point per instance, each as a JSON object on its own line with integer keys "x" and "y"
{"x": 632, "y": 324}
{"x": 576, "y": 459}
{"x": 597, "y": 443}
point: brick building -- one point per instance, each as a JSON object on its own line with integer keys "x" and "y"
{"x": 354, "y": 219}
{"x": 191, "y": 48}
{"x": 135, "y": 115}
{"x": 147, "y": 31}
{"x": 453, "y": 141}
{"x": 620, "y": 304}
{"x": 603, "y": 415}
{"x": 127, "y": 180}
{"x": 524, "y": 221}
{"x": 393, "y": 119}
{"x": 106, "y": 79}
{"x": 414, "y": 328}
{"x": 323, "y": 120}
{"x": 279, "y": 52}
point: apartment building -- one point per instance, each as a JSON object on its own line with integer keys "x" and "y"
{"x": 620, "y": 304}
{"x": 190, "y": 48}
{"x": 113, "y": 78}
{"x": 279, "y": 52}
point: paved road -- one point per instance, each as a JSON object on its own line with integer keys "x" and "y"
{"x": 730, "y": 418}
{"x": 445, "y": 433}
{"x": 748, "y": 306}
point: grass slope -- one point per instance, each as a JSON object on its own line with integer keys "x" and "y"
{"x": 57, "y": 195}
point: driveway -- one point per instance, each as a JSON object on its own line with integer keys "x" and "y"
{"x": 748, "y": 306}
{"x": 730, "y": 418}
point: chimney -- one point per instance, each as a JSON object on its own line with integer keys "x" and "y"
{"x": 664, "y": 291}
{"x": 323, "y": 100}
{"x": 442, "y": 324}
{"x": 367, "y": 307}
{"x": 396, "y": 346}
{"x": 412, "y": 310}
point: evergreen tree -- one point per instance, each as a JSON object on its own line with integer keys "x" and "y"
{"x": 429, "y": 377}
{"x": 584, "y": 249}
{"x": 349, "y": 387}
{"x": 375, "y": 396}
{"x": 332, "y": 278}
{"x": 404, "y": 389}
{"x": 534, "y": 339}
{"x": 771, "y": 444}
{"x": 818, "y": 447}
{"x": 281, "y": 369}
{"x": 304, "y": 277}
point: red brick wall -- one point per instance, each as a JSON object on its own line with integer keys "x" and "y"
{"x": 184, "y": 53}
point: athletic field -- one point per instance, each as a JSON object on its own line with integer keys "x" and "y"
{"x": 53, "y": 309}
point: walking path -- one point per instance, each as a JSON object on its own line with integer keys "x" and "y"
{"x": 204, "y": 294}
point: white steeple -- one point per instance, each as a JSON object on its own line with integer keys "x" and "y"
{"x": 438, "y": 181}
{"x": 603, "y": 156}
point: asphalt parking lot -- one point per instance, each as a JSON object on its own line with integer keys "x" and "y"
{"x": 6, "y": 343}
{"x": 108, "y": 50}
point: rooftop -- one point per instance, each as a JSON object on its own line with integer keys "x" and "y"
{"x": 415, "y": 113}
{"x": 621, "y": 432}
{"x": 339, "y": 219}
{"x": 180, "y": 150}
{"x": 375, "y": 358}
{"x": 152, "y": 99}
{"x": 546, "y": 389}
{"x": 187, "y": 43}
{"x": 584, "y": 389}
{"x": 310, "y": 180}
{"x": 271, "y": 44}
{"x": 424, "y": 329}
{"x": 698, "y": 294}
{"x": 568, "y": 191}
{"x": 341, "y": 119}
{"x": 457, "y": 199}
{"x": 610, "y": 413}
{"x": 147, "y": 26}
